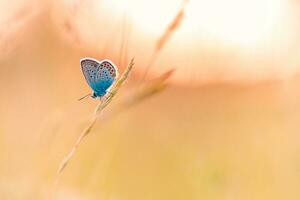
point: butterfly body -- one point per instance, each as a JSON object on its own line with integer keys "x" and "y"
{"x": 100, "y": 75}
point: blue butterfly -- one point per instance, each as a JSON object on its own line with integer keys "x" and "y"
{"x": 100, "y": 75}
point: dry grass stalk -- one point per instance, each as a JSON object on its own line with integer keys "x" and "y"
{"x": 145, "y": 91}
{"x": 170, "y": 30}
{"x": 100, "y": 107}
{"x": 173, "y": 26}
{"x": 149, "y": 89}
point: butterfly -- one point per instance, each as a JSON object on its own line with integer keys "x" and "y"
{"x": 100, "y": 75}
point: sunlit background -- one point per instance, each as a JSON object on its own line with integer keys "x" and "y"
{"x": 225, "y": 128}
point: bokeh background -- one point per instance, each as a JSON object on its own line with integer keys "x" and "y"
{"x": 226, "y": 127}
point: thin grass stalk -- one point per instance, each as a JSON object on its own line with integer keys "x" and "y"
{"x": 147, "y": 90}
{"x": 144, "y": 92}
{"x": 100, "y": 107}
{"x": 164, "y": 38}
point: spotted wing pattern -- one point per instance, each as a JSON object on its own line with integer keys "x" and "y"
{"x": 99, "y": 75}
{"x": 109, "y": 66}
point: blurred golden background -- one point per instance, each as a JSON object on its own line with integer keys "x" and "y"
{"x": 225, "y": 128}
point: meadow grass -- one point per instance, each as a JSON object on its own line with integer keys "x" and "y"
{"x": 165, "y": 37}
{"x": 100, "y": 107}
{"x": 147, "y": 90}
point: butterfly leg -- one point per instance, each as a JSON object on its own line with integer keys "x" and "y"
{"x": 88, "y": 95}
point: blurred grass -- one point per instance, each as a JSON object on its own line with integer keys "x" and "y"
{"x": 100, "y": 107}
{"x": 217, "y": 141}
{"x": 221, "y": 141}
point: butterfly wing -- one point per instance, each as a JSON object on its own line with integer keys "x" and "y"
{"x": 99, "y": 75}
{"x": 89, "y": 69}
{"x": 107, "y": 75}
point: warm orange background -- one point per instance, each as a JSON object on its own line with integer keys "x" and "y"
{"x": 227, "y": 127}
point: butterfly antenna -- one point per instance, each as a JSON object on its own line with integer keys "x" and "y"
{"x": 84, "y": 97}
